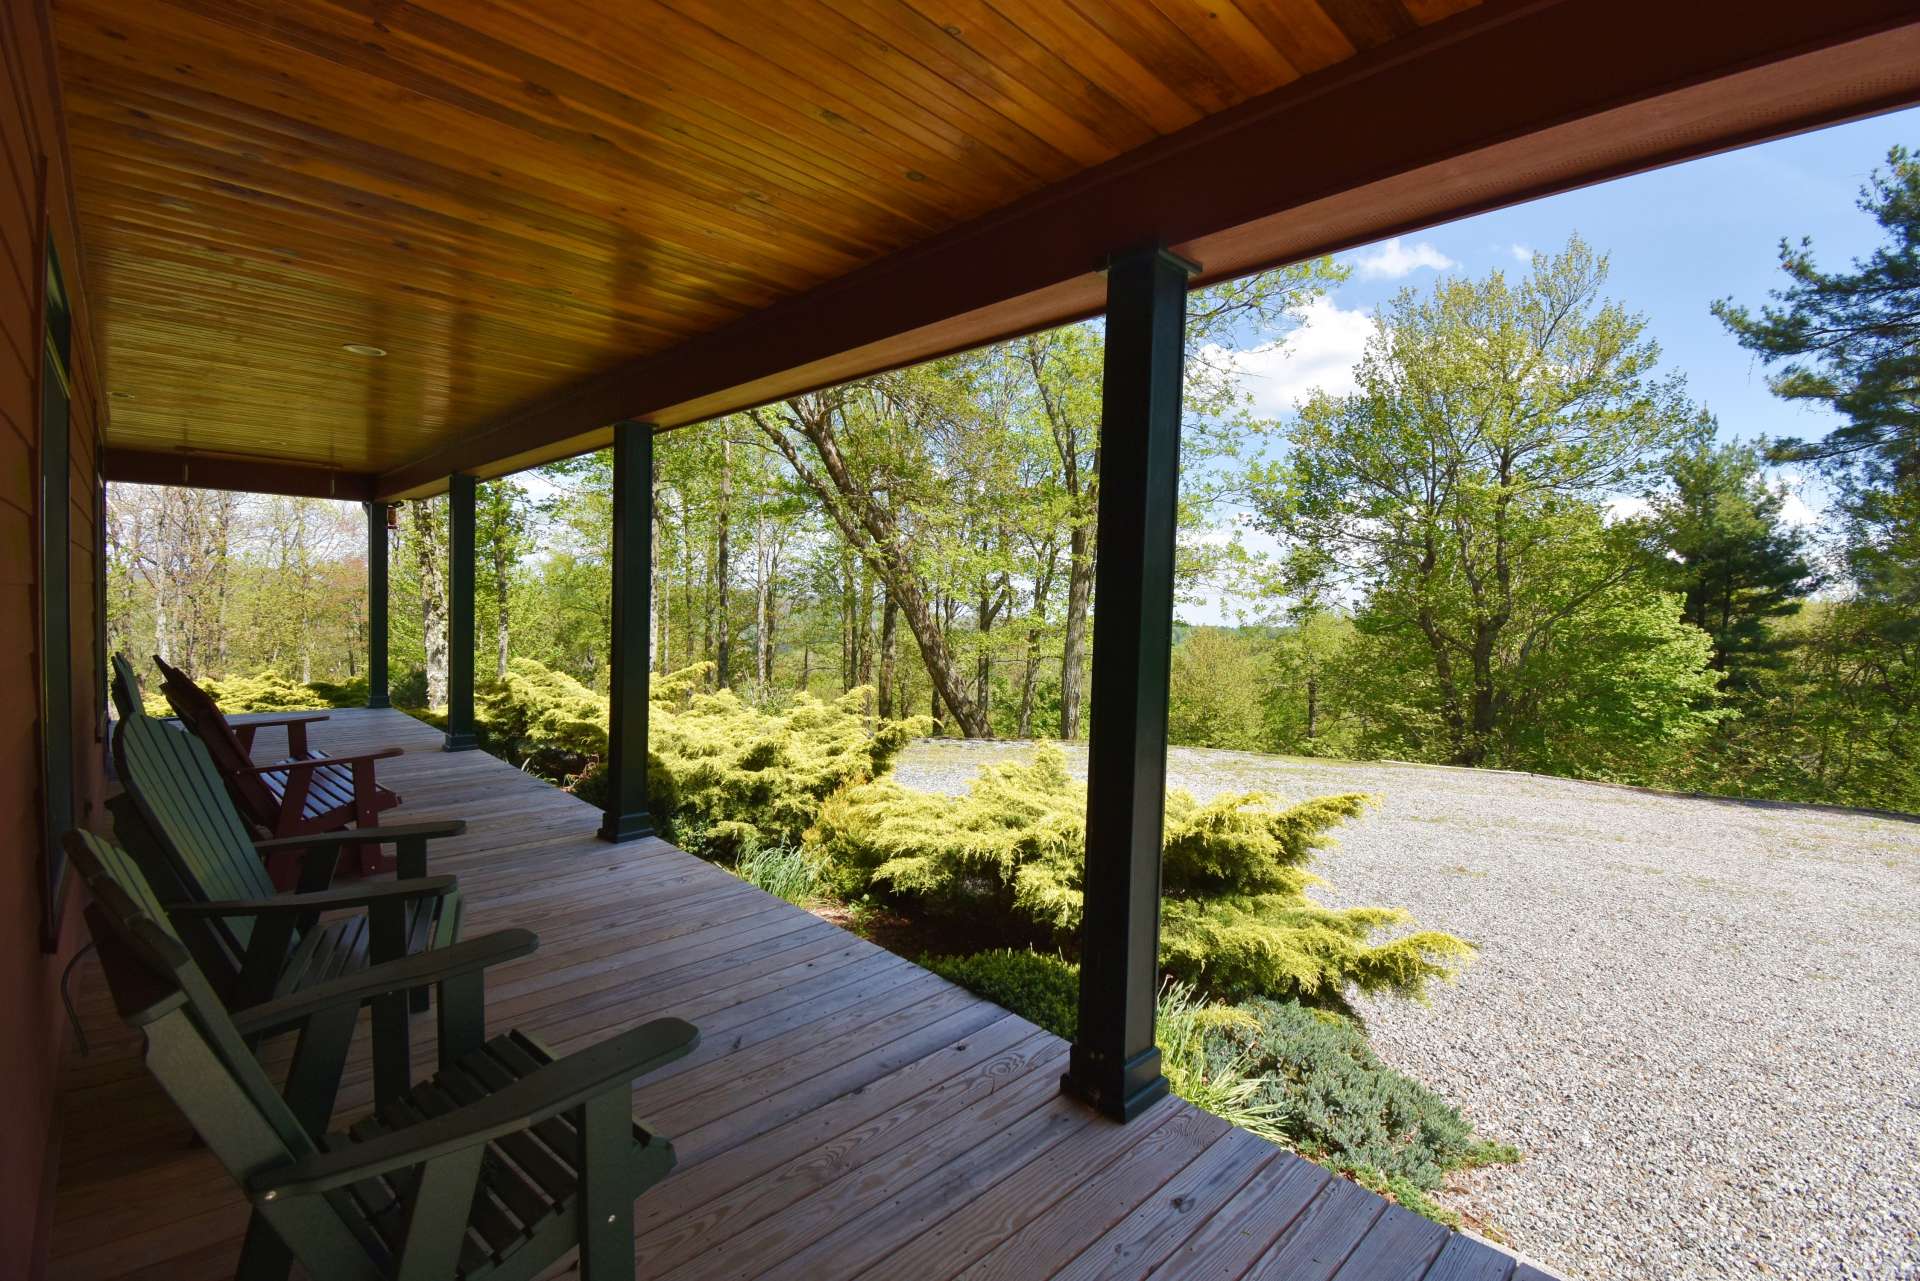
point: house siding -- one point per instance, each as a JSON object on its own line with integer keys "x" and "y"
{"x": 32, "y": 1028}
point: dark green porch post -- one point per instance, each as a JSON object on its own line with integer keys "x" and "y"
{"x": 460, "y": 495}
{"x": 377, "y": 605}
{"x": 627, "y": 818}
{"x": 1115, "y": 1064}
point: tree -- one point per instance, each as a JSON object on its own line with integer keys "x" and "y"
{"x": 1214, "y": 691}
{"x": 500, "y": 528}
{"x": 1460, "y": 492}
{"x": 1720, "y": 543}
{"x": 1851, "y": 340}
{"x": 870, "y": 494}
{"x": 430, "y": 558}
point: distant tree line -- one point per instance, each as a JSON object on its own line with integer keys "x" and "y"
{"x": 1516, "y": 543}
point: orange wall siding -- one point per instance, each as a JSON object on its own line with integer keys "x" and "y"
{"x": 32, "y": 1029}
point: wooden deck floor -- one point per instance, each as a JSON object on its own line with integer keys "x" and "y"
{"x": 847, "y": 1114}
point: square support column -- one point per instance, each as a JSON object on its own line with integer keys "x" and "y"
{"x": 627, "y": 817}
{"x": 377, "y": 605}
{"x": 460, "y": 496}
{"x": 1115, "y": 1064}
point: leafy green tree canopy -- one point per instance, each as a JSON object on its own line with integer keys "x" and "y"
{"x": 1720, "y": 543}
{"x": 1460, "y": 496}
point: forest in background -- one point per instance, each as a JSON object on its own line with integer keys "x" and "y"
{"x": 1517, "y": 543}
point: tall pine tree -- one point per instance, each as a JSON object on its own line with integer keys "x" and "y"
{"x": 1723, "y": 546}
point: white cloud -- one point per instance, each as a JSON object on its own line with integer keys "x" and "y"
{"x": 1392, "y": 259}
{"x": 1522, "y": 254}
{"x": 1319, "y": 355}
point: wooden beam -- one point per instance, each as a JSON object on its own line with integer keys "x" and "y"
{"x": 1115, "y": 1065}
{"x": 377, "y": 594}
{"x": 247, "y": 475}
{"x": 627, "y": 817}
{"x": 460, "y": 538}
{"x": 1505, "y": 102}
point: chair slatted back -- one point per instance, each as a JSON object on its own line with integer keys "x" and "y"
{"x": 199, "y": 713}
{"x": 186, "y": 807}
{"x": 203, "y": 1063}
{"x": 129, "y": 699}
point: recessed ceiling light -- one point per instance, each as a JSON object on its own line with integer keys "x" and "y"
{"x": 363, "y": 349}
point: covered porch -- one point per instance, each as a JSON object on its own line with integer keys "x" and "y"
{"x": 382, "y": 251}
{"x": 847, "y": 1114}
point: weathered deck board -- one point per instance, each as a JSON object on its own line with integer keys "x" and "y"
{"x": 847, "y": 1114}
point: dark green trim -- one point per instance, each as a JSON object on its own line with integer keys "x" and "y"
{"x": 55, "y": 569}
{"x": 1115, "y": 1065}
{"x": 627, "y": 817}
{"x": 460, "y": 533}
{"x": 377, "y": 597}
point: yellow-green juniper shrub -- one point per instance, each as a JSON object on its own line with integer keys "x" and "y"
{"x": 260, "y": 692}
{"x": 1236, "y": 920}
{"x": 724, "y": 778}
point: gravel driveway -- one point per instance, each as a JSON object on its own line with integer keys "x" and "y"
{"x": 1699, "y": 1019}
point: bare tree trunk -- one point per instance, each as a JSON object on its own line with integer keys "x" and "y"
{"x": 430, "y": 553}
{"x": 762, "y": 610}
{"x": 723, "y": 652}
{"x": 503, "y": 626}
{"x": 1079, "y": 599}
{"x": 658, "y": 623}
{"x": 889, "y": 630}
{"x": 871, "y": 529}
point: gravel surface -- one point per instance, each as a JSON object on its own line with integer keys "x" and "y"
{"x": 1699, "y": 1019}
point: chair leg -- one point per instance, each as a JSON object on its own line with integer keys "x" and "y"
{"x": 263, "y": 1255}
{"x": 606, "y": 1186}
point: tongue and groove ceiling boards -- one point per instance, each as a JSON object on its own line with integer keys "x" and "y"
{"x": 553, "y": 215}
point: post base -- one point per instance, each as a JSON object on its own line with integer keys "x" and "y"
{"x": 1121, "y": 1091}
{"x": 616, "y": 828}
{"x": 464, "y": 742}
{"x": 378, "y": 700}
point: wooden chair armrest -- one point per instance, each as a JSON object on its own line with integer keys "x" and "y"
{"x": 426, "y": 831}
{"x": 324, "y": 900}
{"x": 558, "y": 1087}
{"x": 422, "y": 969}
{"x": 317, "y": 761}
{"x": 264, "y": 720}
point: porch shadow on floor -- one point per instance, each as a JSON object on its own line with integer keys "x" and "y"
{"x": 847, "y": 1114}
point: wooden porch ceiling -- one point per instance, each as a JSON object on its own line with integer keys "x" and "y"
{"x": 553, "y": 216}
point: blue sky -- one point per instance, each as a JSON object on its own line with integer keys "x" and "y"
{"x": 1678, "y": 239}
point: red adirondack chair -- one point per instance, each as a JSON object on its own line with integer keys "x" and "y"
{"x": 306, "y": 793}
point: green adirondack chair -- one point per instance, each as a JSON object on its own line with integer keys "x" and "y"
{"x": 499, "y": 1165}
{"x": 130, "y": 700}
{"x": 254, "y": 943}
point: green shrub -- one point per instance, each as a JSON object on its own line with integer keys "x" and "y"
{"x": 1342, "y": 1106}
{"x": 260, "y": 692}
{"x": 783, "y": 871}
{"x": 1236, "y": 919}
{"x": 1040, "y": 987}
{"x": 722, "y": 777}
{"x": 351, "y": 692}
{"x": 1044, "y": 989}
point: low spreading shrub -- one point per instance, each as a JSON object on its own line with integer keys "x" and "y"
{"x": 1303, "y": 1077}
{"x": 261, "y": 692}
{"x": 1236, "y": 918}
{"x": 1040, "y": 987}
{"x": 1345, "y": 1108}
{"x": 723, "y": 778}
